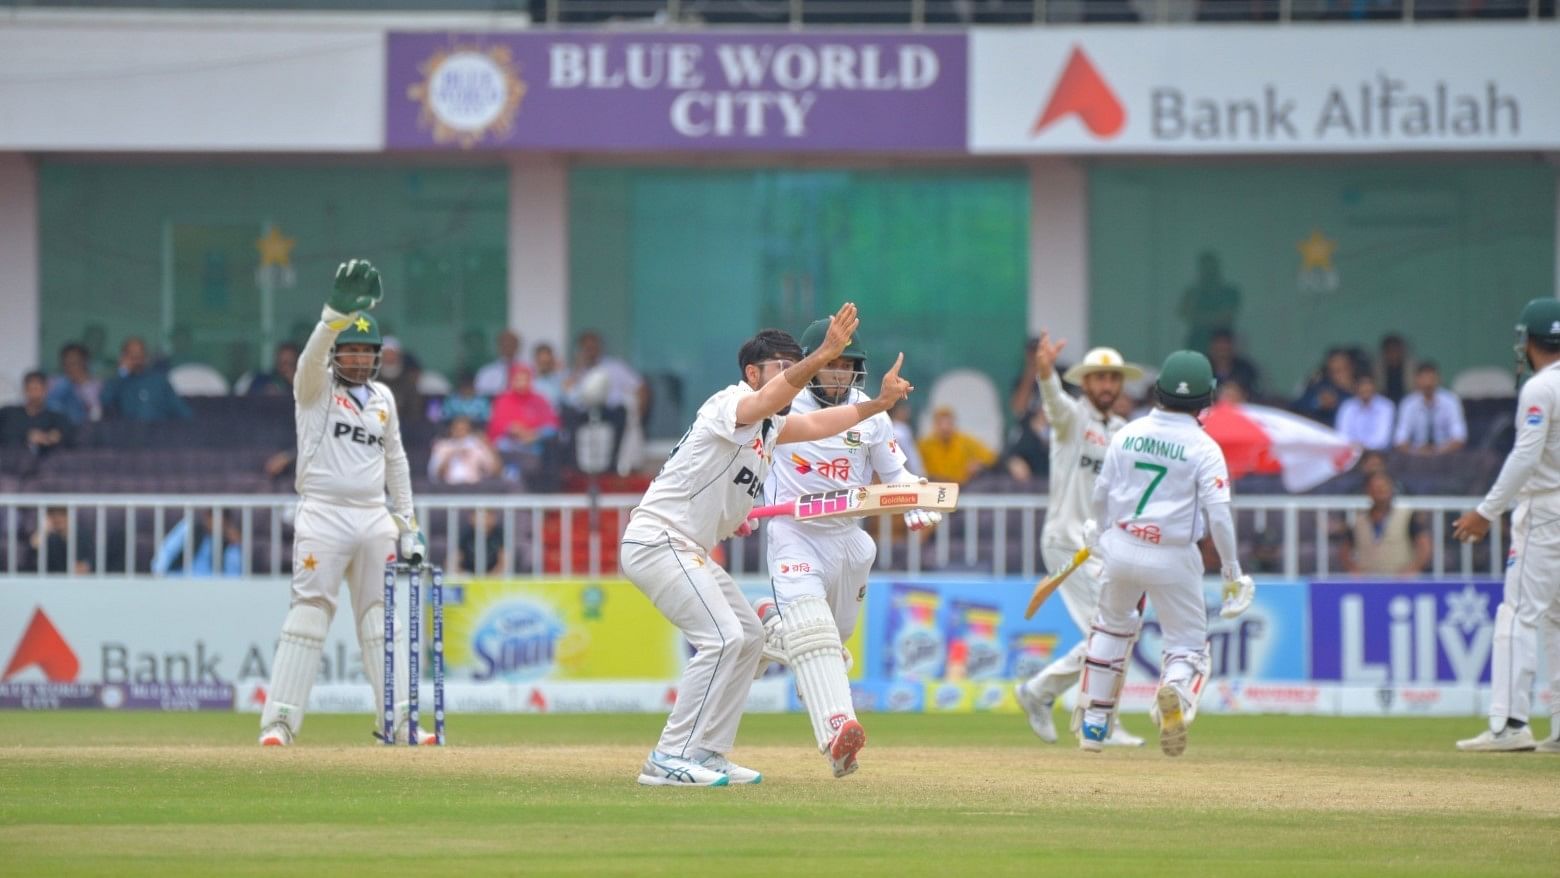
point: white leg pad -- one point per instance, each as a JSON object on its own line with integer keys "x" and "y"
{"x": 295, "y": 666}
{"x": 816, "y": 656}
{"x": 371, "y": 639}
{"x": 1104, "y": 667}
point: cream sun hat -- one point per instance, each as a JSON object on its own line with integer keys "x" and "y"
{"x": 1103, "y": 360}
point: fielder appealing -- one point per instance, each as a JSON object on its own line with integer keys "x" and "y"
{"x": 818, "y": 569}
{"x": 702, "y": 495}
{"x": 349, "y": 454}
{"x": 1081, "y": 430}
{"x": 1163, "y": 484}
{"x": 1530, "y": 479}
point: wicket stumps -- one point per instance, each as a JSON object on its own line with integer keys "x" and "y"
{"x": 393, "y": 571}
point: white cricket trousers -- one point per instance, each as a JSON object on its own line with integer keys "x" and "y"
{"x": 1531, "y": 594}
{"x": 701, "y": 599}
{"x": 832, "y": 565}
{"x": 333, "y": 542}
{"x": 1171, "y": 576}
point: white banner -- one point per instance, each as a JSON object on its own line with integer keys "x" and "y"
{"x": 1364, "y": 88}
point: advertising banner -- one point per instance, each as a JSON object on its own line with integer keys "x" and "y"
{"x": 1260, "y": 89}
{"x": 1403, "y": 633}
{"x": 651, "y": 91}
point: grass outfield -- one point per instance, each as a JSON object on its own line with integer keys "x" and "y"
{"x": 144, "y": 793}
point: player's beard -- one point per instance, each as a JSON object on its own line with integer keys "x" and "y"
{"x": 1103, "y": 401}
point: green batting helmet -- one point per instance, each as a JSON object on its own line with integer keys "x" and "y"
{"x": 1185, "y": 381}
{"x": 363, "y": 329}
{"x": 833, "y": 394}
{"x": 1540, "y": 321}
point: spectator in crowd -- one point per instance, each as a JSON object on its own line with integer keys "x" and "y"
{"x": 281, "y": 465}
{"x": 51, "y": 542}
{"x": 493, "y": 378}
{"x": 1027, "y": 453}
{"x": 464, "y": 457}
{"x": 1366, "y": 417}
{"x": 1328, "y": 388}
{"x": 1430, "y": 420}
{"x": 400, "y": 371}
{"x": 548, "y": 379}
{"x": 140, "y": 393}
{"x": 278, "y": 381}
{"x": 1229, "y": 365}
{"x": 952, "y": 456}
{"x": 465, "y": 402}
{"x": 522, "y": 425}
{"x": 1394, "y": 370}
{"x": 624, "y": 388}
{"x": 170, "y": 555}
{"x": 1386, "y": 540}
{"x": 33, "y": 427}
{"x": 1209, "y": 305}
{"x": 74, "y": 393}
{"x": 486, "y": 520}
{"x": 94, "y": 339}
{"x": 904, "y": 435}
{"x": 1371, "y": 462}
{"x": 1232, "y": 393}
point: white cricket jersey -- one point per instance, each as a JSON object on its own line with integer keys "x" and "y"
{"x": 707, "y": 486}
{"x": 850, "y": 458}
{"x": 1080, "y": 436}
{"x": 349, "y": 451}
{"x": 1533, "y": 467}
{"x": 1161, "y": 472}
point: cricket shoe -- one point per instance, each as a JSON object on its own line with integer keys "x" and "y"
{"x": 425, "y": 738}
{"x": 735, "y": 774}
{"x": 661, "y": 770}
{"x": 1120, "y": 737}
{"x": 1038, "y": 710}
{"x": 1506, "y": 740}
{"x": 1172, "y": 721}
{"x": 847, "y": 742}
{"x": 1091, "y": 737}
{"x": 1550, "y": 744}
{"x": 276, "y": 735}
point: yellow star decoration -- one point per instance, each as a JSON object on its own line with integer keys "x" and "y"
{"x": 275, "y": 249}
{"x": 361, "y": 323}
{"x": 384, "y": 418}
{"x": 1316, "y": 252}
{"x": 309, "y": 563}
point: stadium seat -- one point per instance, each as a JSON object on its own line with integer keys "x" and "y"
{"x": 975, "y": 401}
{"x": 197, "y": 379}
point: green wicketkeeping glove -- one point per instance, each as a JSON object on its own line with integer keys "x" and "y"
{"x": 357, "y": 287}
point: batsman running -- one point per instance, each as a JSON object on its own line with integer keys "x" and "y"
{"x": 818, "y": 569}
{"x": 1164, "y": 484}
{"x": 1530, "y": 480}
{"x": 349, "y": 454}
{"x": 703, "y": 495}
{"x": 1081, "y": 430}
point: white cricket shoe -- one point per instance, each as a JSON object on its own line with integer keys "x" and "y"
{"x": 842, "y": 751}
{"x": 1550, "y": 744}
{"x": 1091, "y": 737}
{"x": 425, "y": 738}
{"x": 276, "y": 735}
{"x": 1172, "y": 721}
{"x": 1504, "y": 741}
{"x": 1039, "y": 711}
{"x": 661, "y": 770}
{"x": 735, "y": 774}
{"x": 1120, "y": 737}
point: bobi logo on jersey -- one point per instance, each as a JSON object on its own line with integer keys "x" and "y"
{"x": 1081, "y": 91}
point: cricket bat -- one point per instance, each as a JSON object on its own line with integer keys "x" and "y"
{"x": 865, "y": 500}
{"x": 1046, "y": 586}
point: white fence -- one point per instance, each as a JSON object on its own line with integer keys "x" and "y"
{"x": 565, "y": 535}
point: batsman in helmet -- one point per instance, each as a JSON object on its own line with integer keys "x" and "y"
{"x": 1529, "y": 485}
{"x": 818, "y": 569}
{"x": 349, "y": 456}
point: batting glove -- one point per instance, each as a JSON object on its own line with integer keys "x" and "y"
{"x": 414, "y": 548}
{"x": 1091, "y": 533}
{"x": 921, "y": 519}
{"x": 1238, "y": 595}
{"x": 357, "y": 287}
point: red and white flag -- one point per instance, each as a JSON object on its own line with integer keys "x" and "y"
{"x": 1259, "y": 439}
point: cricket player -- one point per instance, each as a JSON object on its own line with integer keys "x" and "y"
{"x": 349, "y": 454}
{"x": 1163, "y": 485}
{"x": 702, "y": 495}
{"x": 818, "y": 569}
{"x": 1081, "y": 430}
{"x": 1530, "y": 479}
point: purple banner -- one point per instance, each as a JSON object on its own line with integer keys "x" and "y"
{"x": 1375, "y": 633}
{"x": 685, "y": 92}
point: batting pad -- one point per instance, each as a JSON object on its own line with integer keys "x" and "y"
{"x": 297, "y": 661}
{"x": 371, "y": 639}
{"x": 1104, "y": 666}
{"x": 816, "y": 656}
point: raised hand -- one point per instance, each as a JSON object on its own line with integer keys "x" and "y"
{"x": 894, "y": 388}
{"x": 1045, "y": 355}
{"x": 357, "y": 287}
{"x": 842, "y": 328}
